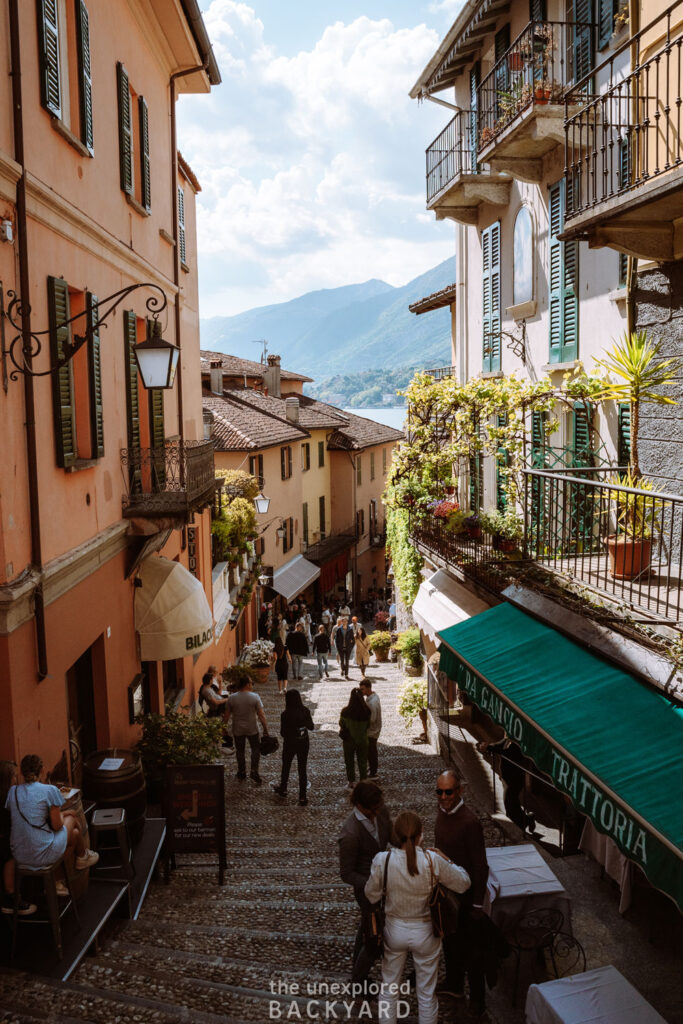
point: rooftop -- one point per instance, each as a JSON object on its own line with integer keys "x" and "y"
{"x": 310, "y": 417}
{"x": 237, "y": 426}
{"x": 238, "y": 367}
{"x": 436, "y": 300}
{"x": 360, "y": 433}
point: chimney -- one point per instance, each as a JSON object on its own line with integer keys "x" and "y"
{"x": 217, "y": 376}
{"x": 271, "y": 376}
{"x": 292, "y": 410}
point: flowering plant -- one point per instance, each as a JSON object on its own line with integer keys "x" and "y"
{"x": 443, "y": 509}
{"x": 381, "y": 620}
{"x": 258, "y": 653}
{"x": 412, "y": 698}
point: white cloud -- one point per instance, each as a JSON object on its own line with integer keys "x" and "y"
{"x": 311, "y": 166}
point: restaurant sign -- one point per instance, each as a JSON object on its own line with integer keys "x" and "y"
{"x": 585, "y": 792}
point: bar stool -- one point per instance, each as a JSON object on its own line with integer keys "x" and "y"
{"x": 113, "y": 819}
{"x": 48, "y": 877}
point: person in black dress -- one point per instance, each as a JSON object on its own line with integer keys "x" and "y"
{"x": 295, "y": 724}
{"x": 283, "y": 660}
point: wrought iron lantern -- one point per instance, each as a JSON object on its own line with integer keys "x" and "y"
{"x": 157, "y": 359}
{"x": 262, "y": 503}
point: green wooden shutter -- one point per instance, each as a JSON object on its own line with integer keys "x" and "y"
{"x": 84, "y": 75}
{"x": 474, "y": 128}
{"x": 624, "y": 433}
{"x": 606, "y": 11}
{"x": 304, "y": 516}
{"x": 145, "y": 177}
{"x": 48, "y": 39}
{"x": 321, "y": 453}
{"x": 581, "y": 14}
{"x": 283, "y": 463}
{"x": 502, "y": 78}
{"x": 158, "y": 434}
{"x": 321, "y": 509}
{"x": 132, "y": 401}
{"x": 537, "y": 10}
{"x": 125, "y": 131}
{"x": 490, "y": 244}
{"x": 502, "y": 460}
{"x": 537, "y": 439}
{"x": 63, "y": 407}
{"x": 95, "y": 380}
{"x": 563, "y": 276}
{"x": 582, "y": 415}
{"x": 181, "y": 225}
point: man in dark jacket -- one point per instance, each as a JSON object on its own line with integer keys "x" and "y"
{"x": 345, "y": 640}
{"x": 365, "y": 832}
{"x": 297, "y": 645}
{"x": 459, "y": 835}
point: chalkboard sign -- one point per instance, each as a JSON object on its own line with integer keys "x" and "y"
{"x": 194, "y": 805}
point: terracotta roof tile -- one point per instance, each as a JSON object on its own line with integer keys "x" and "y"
{"x": 238, "y": 426}
{"x": 235, "y": 365}
{"x": 312, "y": 415}
{"x": 362, "y": 433}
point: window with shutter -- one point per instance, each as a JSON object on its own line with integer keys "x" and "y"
{"x": 538, "y": 439}
{"x": 624, "y": 433}
{"x": 321, "y": 454}
{"x": 563, "y": 278}
{"x": 537, "y": 10}
{"x": 63, "y": 404}
{"x": 490, "y": 248}
{"x": 181, "y": 226}
{"x": 145, "y": 178}
{"x": 581, "y": 17}
{"x": 477, "y": 478}
{"x": 502, "y": 81}
{"x": 321, "y": 513}
{"x": 384, "y": 461}
{"x": 158, "y": 435}
{"x": 502, "y": 461}
{"x": 49, "y": 42}
{"x": 256, "y": 467}
{"x": 305, "y": 456}
{"x": 95, "y": 382}
{"x": 582, "y": 453}
{"x": 291, "y": 532}
{"x": 606, "y": 11}
{"x": 132, "y": 401}
{"x": 84, "y": 75}
{"x": 359, "y": 470}
{"x": 304, "y": 520}
{"x": 125, "y": 131}
{"x": 372, "y": 465}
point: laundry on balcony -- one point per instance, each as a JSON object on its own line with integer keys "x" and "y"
{"x": 293, "y": 577}
{"x": 608, "y": 743}
{"x": 441, "y": 602}
{"x": 172, "y": 614}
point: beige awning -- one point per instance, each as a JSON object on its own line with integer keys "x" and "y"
{"x": 293, "y": 577}
{"x": 441, "y": 602}
{"x": 172, "y": 614}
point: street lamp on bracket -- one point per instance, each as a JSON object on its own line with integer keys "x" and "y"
{"x": 157, "y": 359}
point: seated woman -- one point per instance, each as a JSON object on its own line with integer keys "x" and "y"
{"x": 41, "y": 833}
{"x": 8, "y": 778}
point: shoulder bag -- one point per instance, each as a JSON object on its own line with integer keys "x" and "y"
{"x": 444, "y": 905}
{"x": 373, "y": 921}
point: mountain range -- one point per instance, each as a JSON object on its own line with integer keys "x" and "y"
{"x": 343, "y": 330}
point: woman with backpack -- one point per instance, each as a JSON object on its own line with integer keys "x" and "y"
{"x": 353, "y": 729}
{"x": 295, "y": 724}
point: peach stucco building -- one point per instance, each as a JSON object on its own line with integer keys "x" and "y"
{"x": 97, "y": 473}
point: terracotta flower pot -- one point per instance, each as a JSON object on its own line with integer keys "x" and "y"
{"x": 382, "y": 654}
{"x": 628, "y": 557}
{"x": 515, "y": 61}
{"x": 412, "y": 670}
{"x": 503, "y": 544}
{"x": 262, "y": 673}
{"x": 541, "y": 95}
{"x": 474, "y": 532}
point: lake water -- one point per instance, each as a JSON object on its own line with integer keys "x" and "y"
{"x": 391, "y": 417}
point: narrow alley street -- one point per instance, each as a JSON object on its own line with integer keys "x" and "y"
{"x": 205, "y": 954}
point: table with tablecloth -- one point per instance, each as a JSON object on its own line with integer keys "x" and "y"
{"x": 602, "y": 996}
{"x": 606, "y": 852}
{"x": 520, "y": 881}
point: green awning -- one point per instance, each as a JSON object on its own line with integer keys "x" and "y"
{"x": 607, "y": 741}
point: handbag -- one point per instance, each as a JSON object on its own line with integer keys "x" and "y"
{"x": 444, "y": 906}
{"x": 374, "y": 919}
{"x": 268, "y": 745}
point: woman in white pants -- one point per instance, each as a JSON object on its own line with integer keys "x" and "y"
{"x": 408, "y": 925}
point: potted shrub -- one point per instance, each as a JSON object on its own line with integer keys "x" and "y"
{"x": 472, "y": 524}
{"x": 413, "y": 703}
{"x": 408, "y": 646}
{"x": 637, "y": 517}
{"x": 379, "y": 643}
{"x": 444, "y": 509}
{"x": 456, "y": 521}
{"x": 505, "y": 526}
{"x": 176, "y": 737}
{"x": 258, "y": 656}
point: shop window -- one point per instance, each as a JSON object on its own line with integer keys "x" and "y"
{"x": 77, "y": 384}
{"x": 305, "y": 456}
{"x": 65, "y": 70}
{"x": 286, "y": 462}
{"x": 133, "y": 143}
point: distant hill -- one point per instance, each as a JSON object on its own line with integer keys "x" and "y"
{"x": 343, "y": 330}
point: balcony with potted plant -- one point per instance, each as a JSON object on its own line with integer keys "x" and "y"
{"x": 521, "y": 107}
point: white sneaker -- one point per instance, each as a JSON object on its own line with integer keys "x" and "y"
{"x": 88, "y": 859}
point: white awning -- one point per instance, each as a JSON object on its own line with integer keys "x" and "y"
{"x": 172, "y": 614}
{"x": 442, "y": 602}
{"x": 293, "y": 577}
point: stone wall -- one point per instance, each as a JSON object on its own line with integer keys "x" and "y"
{"x": 659, "y": 308}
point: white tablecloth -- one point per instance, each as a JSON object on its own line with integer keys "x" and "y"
{"x": 606, "y": 852}
{"x": 603, "y": 996}
{"x": 520, "y": 881}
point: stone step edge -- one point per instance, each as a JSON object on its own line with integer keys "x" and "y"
{"x": 28, "y": 1016}
{"x": 159, "y": 925}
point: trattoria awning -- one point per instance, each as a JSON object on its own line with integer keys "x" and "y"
{"x": 441, "y": 602}
{"x": 172, "y": 614}
{"x": 293, "y": 577}
{"x": 607, "y": 741}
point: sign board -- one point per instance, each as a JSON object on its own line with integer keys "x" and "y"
{"x": 194, "y": 807}
{"x": 192, "y": 563}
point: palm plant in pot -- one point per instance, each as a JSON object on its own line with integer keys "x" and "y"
{"x": 640, "y": 371}
{"x": 408, "y": 646}
{"x": 379, "y": 643}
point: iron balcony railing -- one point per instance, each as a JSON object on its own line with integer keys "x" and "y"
{"x": 439, "y": 372}
{"x": 536, "y": 69}
{"x": 476, "y": 557}
{"x": 630, "y": 133}
{"x": 623, "y": 542}
{"x": 172, "y": 480}
{"x": 452, "y": 153}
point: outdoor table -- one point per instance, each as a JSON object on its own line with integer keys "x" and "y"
{"x": 606, "y": 852}
{"x": 520, "y": 881}
{"x": 602, "y": 996}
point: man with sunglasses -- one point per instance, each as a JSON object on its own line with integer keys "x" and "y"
{"x": 459, "y": 836}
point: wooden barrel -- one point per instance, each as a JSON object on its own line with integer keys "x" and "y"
{"x": 79, "y": 879}
{"x": 123, "y": 786}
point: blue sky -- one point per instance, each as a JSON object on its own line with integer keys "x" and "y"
{"x": 311, "y": 154}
